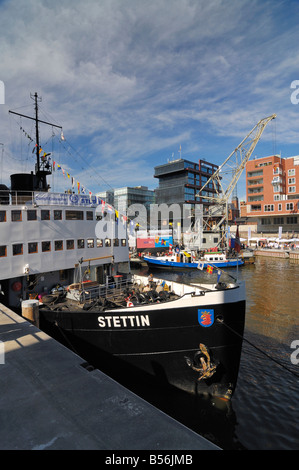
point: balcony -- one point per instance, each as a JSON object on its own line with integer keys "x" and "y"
{"x": 276, "y": 180}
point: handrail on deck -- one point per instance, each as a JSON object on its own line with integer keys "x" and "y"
{"x": 108, "y": 290}
{"x": 13, "y": 198}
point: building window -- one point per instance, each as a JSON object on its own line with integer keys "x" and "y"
{"x": 289, "y": 206}
{"x": 292, "y": 189}
{"x": 31, "y": 214}
{"x": 277, "y": 188}
{"x": 189, "y": 193}
{"x": 16, "y": 216}
{"x": 46, "y": 246}
{"x": 291, "y": 220}
{"x": 74, "y": 215}
{"x": 89, "y": 215}
{"x": 275, "y": 170}
{"x": 58, "y": 244}
{"x": 70, "y": 245}
{"x": 45, "y": 214}
{"x": 278, "y": 220}
{"x": 2, "y": 216}
{"x": 90, "y": 243}
{"x": 279, "y": 207}
{"x": 17, "y": 249}
{"x": 269, "y": 208}
{"x": 3, "y": 251}
{"x": 57, "y": 215}
{"x": 99, "y": 243}
{"x": 250, "y": 174}
{"x": 32, "y": 247}
{"x": 80, "y": 243}
{"x": 291, "y": 172}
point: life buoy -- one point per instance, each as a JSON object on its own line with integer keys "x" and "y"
{"x": 177, "y": 250}
{"x": 17, "y": 286}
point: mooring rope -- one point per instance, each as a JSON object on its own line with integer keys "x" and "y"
{"x": 258, "y": 349}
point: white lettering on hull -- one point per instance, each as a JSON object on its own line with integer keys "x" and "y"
{"x": 124, "y": 321}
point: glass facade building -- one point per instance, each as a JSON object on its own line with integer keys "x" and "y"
{"x": 180, "y": 180}
{"x": 125, "y": 197}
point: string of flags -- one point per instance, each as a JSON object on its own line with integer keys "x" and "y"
{"x": 80, "y": 188}
{"x": 210, "y": 269}
{"x": 26, "y": 134}
{"x": 104, "y": 205}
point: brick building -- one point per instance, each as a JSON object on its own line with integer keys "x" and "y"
{"x": 272, "y": 194}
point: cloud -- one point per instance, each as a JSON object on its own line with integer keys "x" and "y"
{"x": 131, "y": 81}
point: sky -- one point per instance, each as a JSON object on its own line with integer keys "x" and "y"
{"x": 132, "y": 81}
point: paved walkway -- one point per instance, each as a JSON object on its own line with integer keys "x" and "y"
{"x": 49, "y": 401}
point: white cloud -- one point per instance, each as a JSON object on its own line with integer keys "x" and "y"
{"x": 129, "y": 80}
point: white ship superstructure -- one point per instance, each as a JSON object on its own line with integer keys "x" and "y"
{"x": 44, "y": 235}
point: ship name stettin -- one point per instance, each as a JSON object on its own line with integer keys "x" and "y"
{"x": 124, "y": 321}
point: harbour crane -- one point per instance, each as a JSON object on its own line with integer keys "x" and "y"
{"x": 225, "y": 178}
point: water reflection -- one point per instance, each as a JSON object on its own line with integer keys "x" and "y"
{"x": 264, "y": 412}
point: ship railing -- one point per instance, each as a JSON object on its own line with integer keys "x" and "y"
{"x": 110, "y": 290}
{"x": 10, "y": 197}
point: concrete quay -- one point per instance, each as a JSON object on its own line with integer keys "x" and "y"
{"x": 274, "y": 253}
{"x": 49, "y": 401}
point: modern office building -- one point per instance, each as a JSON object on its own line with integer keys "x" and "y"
{"x": 123, "y": 198}
{"x": 272, "y": 193}
{"x": 107, "y": 196}
{"x": 127, "y": 196}
{"x": 180, "y": 180}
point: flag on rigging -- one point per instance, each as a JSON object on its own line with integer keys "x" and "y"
{"x": 200, "y": 265}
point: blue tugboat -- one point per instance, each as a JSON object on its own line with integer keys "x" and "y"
{"x": 189, "y": 260}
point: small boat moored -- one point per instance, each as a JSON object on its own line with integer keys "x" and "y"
{"x": 180, "y": 259}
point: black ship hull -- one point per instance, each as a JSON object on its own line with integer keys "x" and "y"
{"x": 167, "y": 341}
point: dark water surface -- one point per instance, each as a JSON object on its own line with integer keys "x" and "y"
{"x": 264, "y": 411}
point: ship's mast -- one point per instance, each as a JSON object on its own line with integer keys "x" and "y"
{"x": 42, "y": 168}
{"x": 36, "y": 98}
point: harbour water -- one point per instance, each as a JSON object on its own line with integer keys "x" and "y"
{"x": 264, "y": 411}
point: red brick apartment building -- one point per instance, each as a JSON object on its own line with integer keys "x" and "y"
{"x": 272, "y": 194}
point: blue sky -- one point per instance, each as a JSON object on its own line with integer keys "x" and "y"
{"x": 131, "y": 81}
